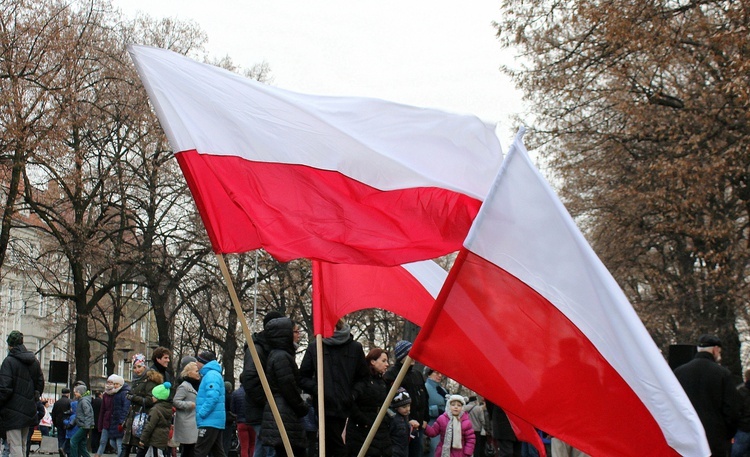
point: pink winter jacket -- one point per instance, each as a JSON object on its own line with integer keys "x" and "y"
{"x": 468, "y": 438}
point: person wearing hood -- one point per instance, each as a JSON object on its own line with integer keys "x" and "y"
{"x": 141, "y": 401}
{"x": 210, "y": 407}
{"x": 21, "y": 378}
{"x": 343, "y": 365}
{"x": 255, "y": 396}
{"x": 454, "y": 429}
{"x": 283, "y": 379}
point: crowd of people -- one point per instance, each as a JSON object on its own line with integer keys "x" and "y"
{"x": 198, "y": 413}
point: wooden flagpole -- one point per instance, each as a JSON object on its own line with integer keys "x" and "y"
{"x": 254, "y": 353}
{"x": 384, "y": 408}
{"x": 321, "y": 396}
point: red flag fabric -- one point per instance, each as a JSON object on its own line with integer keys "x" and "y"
{"x": 407, "y": 290}
{"x": 344, "y": 180}
{"x": 536, "y": 322}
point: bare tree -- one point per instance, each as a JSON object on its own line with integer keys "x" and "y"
{"x": 643, "y": 115}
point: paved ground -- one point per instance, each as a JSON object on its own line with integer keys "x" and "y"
{"x": 49, "y": 446}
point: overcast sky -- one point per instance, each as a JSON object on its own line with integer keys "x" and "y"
{"x": 430, "y": 53}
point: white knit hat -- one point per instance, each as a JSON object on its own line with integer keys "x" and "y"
{"x": 449, "y": 398}
{"x": 116, "y": 379}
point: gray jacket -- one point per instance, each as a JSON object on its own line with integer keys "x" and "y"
{"x": 85, "y": 413}
{"x": 185, "y": 427}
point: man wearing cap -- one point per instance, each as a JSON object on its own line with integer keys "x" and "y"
{"x": 210, "y": 407}
{"x": 711, "y": 390}
{"x": 20, "y": 379}
{"x": 58, "y": 416}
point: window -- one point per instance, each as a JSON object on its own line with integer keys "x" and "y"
{"x": 42, "y": 305}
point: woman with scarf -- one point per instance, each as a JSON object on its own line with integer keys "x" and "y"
{"x": 368, "y": 396}
{"x": 185, "y": 427}
{"x": 140, "y": 400}
{"x": 104, "y": 421}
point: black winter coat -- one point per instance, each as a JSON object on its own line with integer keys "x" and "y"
{"x": 255, "y": 397}
{"x": 368, "y": 397}
{"x": 343, "y": 365}
{"x": 414, "y": 384}
{"x": 21, "y": 382}
{"x": 400, "y": 431}
{"x": 58, "y": 411}
{"x": 744, "y": 422}
{"x": 283, "y": 378}
{"x": 711, "y": 390}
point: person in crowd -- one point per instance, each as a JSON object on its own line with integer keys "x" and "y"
{"x": 70, "y": 423}
{"x": 310, "y": 425}
{"x": 255, "y": 396}
{"x": 283, "y": 379}
{"x": 104, "y": 418}
{"x": 475, "y": 410}
{"x": 210, "y": 407}
{"x": 95, "y": 436}
{"x": 45, "y": 423}
{"x": 343, "y": 366}
{"x": 414, "y": 383}
{"x": 402, "y": 426}
{"x": 245, "y": 432}
{"x": 156, "y": 431}
{"x": 160, "y": 359}
{"x": 41, "y": 410}
{"x": 455, "y": 430}
{"x": 230, "y": 423}
{"x": 21, "y": 380}
{"x": 107, "y": 422}
{"x": 141, "y": 400}
{"x": 560, "y": 448}
{"x": 435, "y": 402}
{"x": 58, "y": 415}
{"x": 185, "y": 427}
{"x": 502, "y": 434}
{"x": 84, "y": 420}
{"x": 120, "y": 408}
{"x": 711, "y": 390}
{"x": 368, "y": 396}
{"x": 741, "y": 442}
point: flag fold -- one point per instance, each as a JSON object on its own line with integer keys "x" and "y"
{"x": 549, "y": 335}
{"x": 339, "y": 179}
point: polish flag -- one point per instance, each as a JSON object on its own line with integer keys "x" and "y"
{"x": 534, "y": 319}
{"x": 406, "y": 290}
{"x": 344, "y": 180}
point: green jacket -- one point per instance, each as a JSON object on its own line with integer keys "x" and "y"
{"x": 156, "y": 431}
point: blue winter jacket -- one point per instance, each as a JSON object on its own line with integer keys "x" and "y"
{"x": 210, "y": 406}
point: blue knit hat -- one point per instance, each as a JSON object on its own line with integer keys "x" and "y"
{"x": 401, "y": 350}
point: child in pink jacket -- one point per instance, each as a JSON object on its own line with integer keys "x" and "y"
{"x": 455, "y": 430}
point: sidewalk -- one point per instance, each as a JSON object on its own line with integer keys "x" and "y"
{"x": 49, "y": 446}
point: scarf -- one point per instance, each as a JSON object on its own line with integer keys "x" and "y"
{"x": 452, "y": 437}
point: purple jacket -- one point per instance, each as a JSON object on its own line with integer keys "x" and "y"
{"x": 467, "y": 439}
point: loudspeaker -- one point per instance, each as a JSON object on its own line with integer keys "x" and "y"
{"x": 680, "y": 354}
{"x": 58, "y": 371}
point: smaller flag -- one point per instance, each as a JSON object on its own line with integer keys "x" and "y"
{"x": 407, "y": 290}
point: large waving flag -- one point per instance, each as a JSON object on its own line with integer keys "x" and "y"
{"x": 345, "y": 180}
{"x": 535, "y": 321}
{"x": 406, "y": 290}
